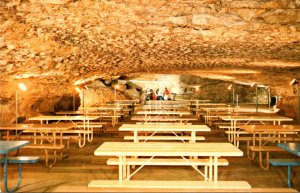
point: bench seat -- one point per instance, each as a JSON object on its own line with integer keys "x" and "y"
{"x": 44, "y": 146}
{"x": 237, "y": 132}
{"x": 286, "y": 162}
{"x": 77, "y": 132}
{"x": 90, "y": 126}
{"x": 170, "y": 184}
{"x": 266, "y": 149}
{"x": 167, "y": 138}
{"x": 47, "y": 147}
{"x": 22, "y": 160}
{"x": 68, "y": 188}
{"x": 167, "y": 161}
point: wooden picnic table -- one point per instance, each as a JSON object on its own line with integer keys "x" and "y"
{"x": 113, "y": 109}
{"x": 81, "y": 113}
{"x": 163, "y": 112}
{"x": 124, "y": 150}
{"x": 149, "y": 119}
{"x": 133, "y": 101}
{"x": 261, "y": 118}
{"x": 208, "y": 111}
{"x": 266, "y": 134}
{"x": 171, "y": 108}
{"x": 85, "y": 119}
{"x": 5, "y": 148}
{"x": 42, "y": 131}
{"x": 165, "y": 102}
{"x": 158, "y": 128}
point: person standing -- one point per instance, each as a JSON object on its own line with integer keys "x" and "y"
{"x": 159, "y": 94}
{"x": 166, "y": 94}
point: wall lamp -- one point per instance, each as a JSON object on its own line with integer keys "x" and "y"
{"x": 294, "y": 82}
{"x": 116, "y": 87}
{"x": 22, "y": 87}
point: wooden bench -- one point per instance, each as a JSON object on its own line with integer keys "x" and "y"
{"x": 267, "y": 150}
{"x": 46, "y": 148}
{"x": 138, "y": 184}
{"x": 286, "y": 162}
{"x": 167, "y": 162}
{"x": 67, "y": 188}
{"x": 167, "y": 138}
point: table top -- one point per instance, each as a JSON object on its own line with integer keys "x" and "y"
{"x": 163, "y": 113}
{"x": 107, "y": 107}
{"x": 8, "y": 146}
{"x": 167, "y": 149}
{"x": 43, "y": 127}
{"x": 163, "y": 127}
{"x": 194, "y": 100}
{"x": 218, "y": 108}
{"x": 290, "y": 147}
{"x": 270, "y": 128}
{"x": 256, "y": 118}
{"x": 80, "y": 113}
{"x": 64, "y": 118}
{"x": 210, "y": 104}
{"x": 162, "y": 118}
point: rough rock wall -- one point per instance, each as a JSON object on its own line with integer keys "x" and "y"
{"x": 39, "y": 98}
{"x": 72, "y": 40}
{"x": 48, "y": 98}
{"x": 287, "y": 102}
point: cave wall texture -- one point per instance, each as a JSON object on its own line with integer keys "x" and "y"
{"x": 55, "y": 45}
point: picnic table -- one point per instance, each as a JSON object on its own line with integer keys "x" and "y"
{"x": 5, "y": 148}
{"x": 150, "y": 119}
{"x": 158, "y": 128}
{"x": 88, "y": 131}
{"x": 261, "y": 118}
{"x": 293, "y": 148}
{"x": 266, "y": 134}
{"x": 124, "y": 150}
{"x": 161, "y": 112}
{"x": 48, "y": 132}
{"x": 107, "y": 108}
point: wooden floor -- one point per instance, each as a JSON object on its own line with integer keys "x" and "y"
{"x": 74, "y": 173}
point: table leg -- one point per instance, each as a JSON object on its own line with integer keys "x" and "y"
{"x": 193, "y": 137}
{"x": 234, "y": 133}
{"x": 6, "y": 176}
{"x": 210, "y": 168}
{"x": 215, "y": 168}
{"x": 120, "y": 168}
{"x": 135, "y": 137}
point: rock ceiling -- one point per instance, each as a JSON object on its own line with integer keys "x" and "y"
{"x": 70, "y": 40}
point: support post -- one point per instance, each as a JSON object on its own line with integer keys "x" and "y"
{"x": 298, "y": 104}
{"x": 256, "y": 98}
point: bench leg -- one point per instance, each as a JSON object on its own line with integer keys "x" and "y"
{"x": 250, "y": 154}
{"x": 47, "y": 159}
{"x": 81, "y": 142}
{"x": 267, "y": 164}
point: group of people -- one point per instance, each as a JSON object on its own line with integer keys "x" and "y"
{"x": 158, "y": 94}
